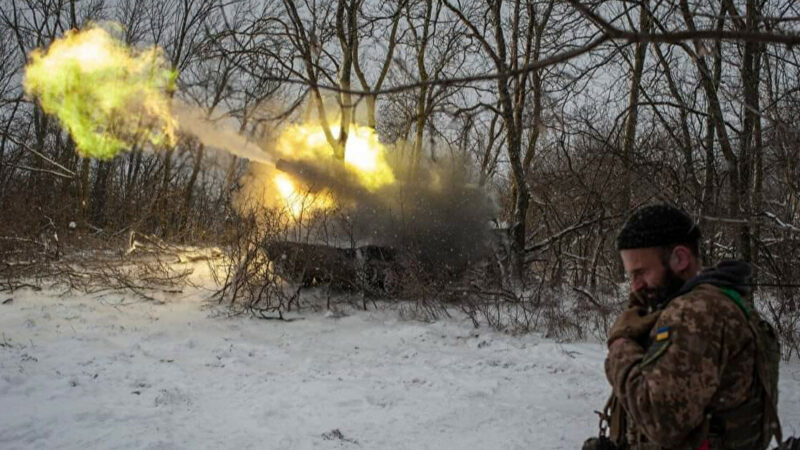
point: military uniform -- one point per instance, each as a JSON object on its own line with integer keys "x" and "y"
{"x": 692, "y": 365}
{"x": 692, "y": 382}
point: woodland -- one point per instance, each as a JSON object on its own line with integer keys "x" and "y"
{"x": 519, "y": 136}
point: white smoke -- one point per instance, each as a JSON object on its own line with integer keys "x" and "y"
{"x": 192, "y": 120}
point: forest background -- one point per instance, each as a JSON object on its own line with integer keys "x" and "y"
{"x": 566, "y": 114}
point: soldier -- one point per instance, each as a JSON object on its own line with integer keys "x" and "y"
{"x": 691, "y": 364}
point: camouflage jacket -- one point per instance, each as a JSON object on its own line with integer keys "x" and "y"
{"x": 699, "y": 359}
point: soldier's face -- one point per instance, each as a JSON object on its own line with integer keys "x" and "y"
{"x": 650, "y": 274}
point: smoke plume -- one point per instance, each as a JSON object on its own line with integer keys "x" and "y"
{"x": 112, "y": 97}
{"x": 192, "y": 121}
{"x": 435, "y": 212}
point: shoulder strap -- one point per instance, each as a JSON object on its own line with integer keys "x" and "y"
{"x": 734, "y": 295}
{"x": 771, "y": 403}
{"x": 615, "y": 415}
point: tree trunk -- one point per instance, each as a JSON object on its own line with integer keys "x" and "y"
{"x": 187, "y": 198}
{"x": 629, "y": 138}
{"x": 100, "y": 194}
{"x": 84, "y": 189}
{"x": 512, "y": 116}
{"x": 750, "y": 74}
{"x": 346, "y": 30}
{"x": 416, "y": 154}
{"x": 708, "y": 197}
{"x": 710, "y": 89}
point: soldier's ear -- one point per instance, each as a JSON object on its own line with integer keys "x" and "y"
{"x": 680, "y": 259}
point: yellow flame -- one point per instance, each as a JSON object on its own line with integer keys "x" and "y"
{"x": 297, "y": 201}
{"x": 285, "y": 185}
{"x": 365, "y": 154}
{"x": 107, "y": 95}
{"x": 111, "y": 97}
{"x": 365, "y": 157}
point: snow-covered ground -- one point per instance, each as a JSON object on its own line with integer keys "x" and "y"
{"x": 112, "y": 372}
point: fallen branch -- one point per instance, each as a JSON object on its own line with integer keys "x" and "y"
{"x": 183, "y": 254}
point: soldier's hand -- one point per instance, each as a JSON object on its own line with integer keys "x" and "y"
{"x": 638, "y": 299}
{"x": 633, "y": 323}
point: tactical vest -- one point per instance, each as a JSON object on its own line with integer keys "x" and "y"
{"x": 749, "y": 426}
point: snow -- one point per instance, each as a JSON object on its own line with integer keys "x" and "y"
{"x": 80, "y": 372}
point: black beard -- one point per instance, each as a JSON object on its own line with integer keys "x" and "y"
{"x": 666, "y": 291}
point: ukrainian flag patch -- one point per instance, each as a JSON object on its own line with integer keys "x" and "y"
{"x": 662, "y": 334}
